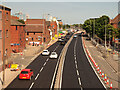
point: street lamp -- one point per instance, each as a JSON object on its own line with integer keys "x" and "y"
{"x": 109, "y": 38}
{"x": 105, "y": 35}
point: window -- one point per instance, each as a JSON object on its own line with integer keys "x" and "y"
{"x": 16, "y": 27}
{"x": 27, "y": 33}
{"x": 32, "y": 39}
{"x": 6, "y": 33}
{"x": 7, "y": 16}
{"x": 0, "y": 33}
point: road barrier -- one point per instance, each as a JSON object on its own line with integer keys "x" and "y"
{"x": 104, "y": 76}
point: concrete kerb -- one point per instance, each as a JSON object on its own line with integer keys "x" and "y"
{"x": 61, "y": 64}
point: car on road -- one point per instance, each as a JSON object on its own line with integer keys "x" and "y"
{"x": 45, "y": 52}
{"x": 26, "y": 74}
{"x": 75, "y": 36}
{"x": 53, "y": 55}
{"x": 60, "y": 39}
{"x": 63, "y": 42}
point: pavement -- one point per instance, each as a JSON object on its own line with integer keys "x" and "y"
{"x": 107, "y": 62}
{"x": 29, "y": 54}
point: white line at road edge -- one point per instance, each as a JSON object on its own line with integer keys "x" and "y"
{"x": 92, "y": 65}
{"x": 31, "y": 85}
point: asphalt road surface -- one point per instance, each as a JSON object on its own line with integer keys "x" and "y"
{"x": 43, "y": 68}
{"x": 77, "y": 72}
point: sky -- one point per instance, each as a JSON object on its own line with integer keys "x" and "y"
{"x": 69, "y": 11}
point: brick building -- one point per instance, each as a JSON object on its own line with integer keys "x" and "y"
{"x": 18, "y": 35}
{"x": 116, "y": 21}
{"x": 54, "y": 27}
{"x": 36, "y": 31}
{"x": 5, "y": 18}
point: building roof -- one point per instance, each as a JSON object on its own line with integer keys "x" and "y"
{"x": 15, "y": 22}
{"x": 116, "y": 19}
{"x": 6, "y": 8}
{"x": 34, "y": 28}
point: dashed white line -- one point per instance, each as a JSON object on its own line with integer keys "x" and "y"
{"x": 47, "y": 59}
{"x": 79, "y": 80}
{"x": 41, "y": 69}
{"x": 31, "y": 85}
{"x": 36, "y": 76}
{"x": 77, "y": 72}
{"x": 44, "y": 64}
{"x": 76, "y": 66}
{"x": 75, "y": 62}
{"x": 75, "y": 58}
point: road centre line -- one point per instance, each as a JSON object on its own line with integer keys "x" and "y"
{"x": 41, "y": 69}
{"x": 76, "y": 65}
{"x": 31, "y": 85}
{"x": 44, "y": 64}
{"x": 37, "y": 76}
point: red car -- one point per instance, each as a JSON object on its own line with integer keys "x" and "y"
{"x": 26, "y": 74}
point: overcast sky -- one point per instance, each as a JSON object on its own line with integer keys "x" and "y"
{"x": 70, "y": 11}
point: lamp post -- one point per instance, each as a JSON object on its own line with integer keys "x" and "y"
{"x": 109, "y": 38}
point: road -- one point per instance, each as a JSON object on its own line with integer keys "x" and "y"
{"x": 77, "y": 72}
{"x": 43, "y": 68}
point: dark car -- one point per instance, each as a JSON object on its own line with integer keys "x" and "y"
{"x": 63, "y": 42}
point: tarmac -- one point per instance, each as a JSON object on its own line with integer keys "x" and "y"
{"x": 107, "y": 61}
{"x": 24, "y": 59}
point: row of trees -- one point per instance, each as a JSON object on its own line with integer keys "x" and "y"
{"x": 98, "y": 26}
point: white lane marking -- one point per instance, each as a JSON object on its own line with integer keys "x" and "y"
{"x": 75, "y": 58}
{"x": 77, "y": 72}
{"x": 41, "y": 69}
{"x": 79, "y": 80}
{"x": 37, "y": 76}
{"x": 47, "y": 59}
{"x": 75, "y": 62}
{"x": 92, "y": 66}
{"x": 76, "y": 66}
{"x": 56, "y": 47}
{"x": 44, "y": 64}
{"x": 31, "y": 85}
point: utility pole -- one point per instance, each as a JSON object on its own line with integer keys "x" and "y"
{"x": 43, "y": 30}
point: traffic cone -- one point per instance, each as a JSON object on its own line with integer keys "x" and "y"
{"x": 111, "y": 85}
{"x": 96, "y": 65}
{"x": 105, "y": 78}
{"x": 100, "y": 73}
{"x": 107, "y": 81}
{"x": 98, "y": 69}
{"x": 103, "y": 75}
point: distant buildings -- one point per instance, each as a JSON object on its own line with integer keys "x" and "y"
{"x": 16, "y": 33}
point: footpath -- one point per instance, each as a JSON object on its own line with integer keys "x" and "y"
{"x": 24, "y": 59}
{"x": 107, "y": 62}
